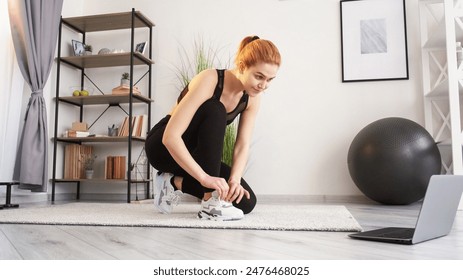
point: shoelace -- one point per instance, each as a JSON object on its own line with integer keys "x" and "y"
{"x": 223, "y": 202}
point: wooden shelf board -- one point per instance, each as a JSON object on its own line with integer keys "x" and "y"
{"x": 107, "y": 22}
{"x": 106, "y": 60}
{"x": 104, "y": 99}
{"x": 99, "y": 139}
{"x": 99, "y": 180}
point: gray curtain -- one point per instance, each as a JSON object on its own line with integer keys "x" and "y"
{"x": 34, "y": 28}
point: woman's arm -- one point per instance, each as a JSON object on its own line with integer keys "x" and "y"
{"x": 241, "y": 150}
{"x": 200, "y": 90}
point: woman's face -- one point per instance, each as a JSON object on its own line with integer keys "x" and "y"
{"x": 257, "y": 78}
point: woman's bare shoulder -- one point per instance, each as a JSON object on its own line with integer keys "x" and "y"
{"x": 202, "y": 85}
{"x": 205, "y": 76}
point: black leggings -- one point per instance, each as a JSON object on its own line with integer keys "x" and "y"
{"x": 204, "y": 140}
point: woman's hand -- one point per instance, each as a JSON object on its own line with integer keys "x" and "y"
{"x": 217, "y": 183}
{"x": 236, "y": 192}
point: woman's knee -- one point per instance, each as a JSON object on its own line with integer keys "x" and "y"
{"x": 213, "y": 110}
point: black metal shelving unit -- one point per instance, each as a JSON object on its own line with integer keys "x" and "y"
{"x": 105, "y": 22}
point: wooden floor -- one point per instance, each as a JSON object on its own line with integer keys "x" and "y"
{"x": 49, "y": 242}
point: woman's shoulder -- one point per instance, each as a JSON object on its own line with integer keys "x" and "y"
{"x": 206, "y": 78}
{"x": 207, "y": 74}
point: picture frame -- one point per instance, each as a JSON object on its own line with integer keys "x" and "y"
{"x": 373, "y": 40}
{"x": 78, "y": 48}
{"x": 140, "y": 47}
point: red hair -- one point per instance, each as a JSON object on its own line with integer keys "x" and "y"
{"x": 253, "y": 50}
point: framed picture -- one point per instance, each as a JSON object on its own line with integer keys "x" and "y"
{"x": 373, "y": 40}
{"x": 141, "y": 47}
{"x": 78, "y": 48}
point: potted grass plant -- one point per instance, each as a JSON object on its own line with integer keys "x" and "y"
{"x": 88, "y": 162}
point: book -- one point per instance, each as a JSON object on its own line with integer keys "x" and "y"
{"x": 123, "y": 127}
{"x": 73, "y": 160}
{"x": 123, "y": 89}
{"x": 74, "y": 133}
{"x": 139, "y": 126}
{"x": 115, "y": 167}
{"x": 144, "y": 126}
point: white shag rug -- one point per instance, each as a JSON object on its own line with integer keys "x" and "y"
{"x": 263, "y": 217}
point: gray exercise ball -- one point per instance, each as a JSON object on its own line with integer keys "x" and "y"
{"x": 391, "y": 161}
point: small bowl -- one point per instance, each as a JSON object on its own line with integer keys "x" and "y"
{"x": 81, "y": 91}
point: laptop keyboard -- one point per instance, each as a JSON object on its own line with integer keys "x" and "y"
{"x": 399, "y": 233}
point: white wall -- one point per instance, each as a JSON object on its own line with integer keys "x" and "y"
{"x": 11, "y": 88}
{"x": 308, "y": 117}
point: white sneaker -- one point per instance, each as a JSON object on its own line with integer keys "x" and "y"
{"x": 165, "y": 195}
{"x": 219, "y": 210}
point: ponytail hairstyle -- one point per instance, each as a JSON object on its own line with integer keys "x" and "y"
{"x": 253, "y": 50}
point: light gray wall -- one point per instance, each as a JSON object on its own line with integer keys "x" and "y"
{"x": 308, "y": 116}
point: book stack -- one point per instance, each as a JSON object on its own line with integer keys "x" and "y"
{"x": 78, "y": 130}
{"x": 73, "y": 133}
{"x": 73, "y": 163}
{"x": 139, "y": 126}
{"x": 125, "y": 89}
{"x": 115, "y": 167}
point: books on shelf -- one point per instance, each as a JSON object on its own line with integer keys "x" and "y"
{"x": 79, "y": 129}
{"x": 74, "y": 133}
{"x": 139, "y": 126}
{"x": 115, "y": 167}
{"x": 73, "y": 163}
{"x": 123, "y": 89}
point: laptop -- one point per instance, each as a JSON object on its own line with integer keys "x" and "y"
{"x": 436, "y": 216}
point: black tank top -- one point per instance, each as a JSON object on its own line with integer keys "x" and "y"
{"x": 240, "y": 107}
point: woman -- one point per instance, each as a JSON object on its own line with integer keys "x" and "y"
{"x": 186, "y": 145}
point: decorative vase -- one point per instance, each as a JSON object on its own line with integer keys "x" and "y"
{"x": 125, "y": 82}
{"x": 88, "y": 174}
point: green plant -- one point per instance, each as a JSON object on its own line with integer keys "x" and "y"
{"x": 125, "y": 76}
{"x": 88, "y": 161}
{"x": 88, "y": 48}
{"x": 229, "y": 144}
{"x": 201, "y": 58}
{"x": 192, "y": 62}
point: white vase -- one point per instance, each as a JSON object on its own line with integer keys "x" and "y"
{"x": 125, "y": 82}
{"x": 88, "y": 174}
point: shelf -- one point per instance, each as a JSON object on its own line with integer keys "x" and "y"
{"x": 107, "y": 22}
{"x": 437, "y": 39}
{"x": 442, "y": 90}
{"x": 130, "y": 21}
{"x": 104, "y": 99}
{"x": 435, "y": 16}
{"x": 99, "y": 139}
{"x": 99, "y": 180}
{"x": 106, "y": 60}
{"x": 447, "y": 143}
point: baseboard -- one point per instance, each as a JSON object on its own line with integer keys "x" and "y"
{"x": 335, "y": 199}
{"x": 27, "y": 197}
